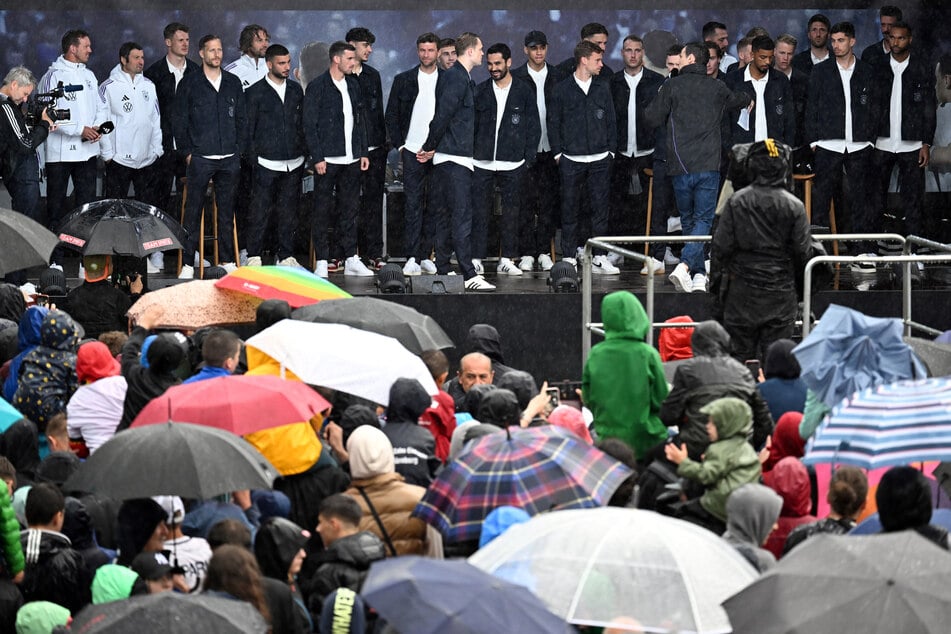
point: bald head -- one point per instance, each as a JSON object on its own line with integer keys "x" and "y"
{"x": 474, "y": 369}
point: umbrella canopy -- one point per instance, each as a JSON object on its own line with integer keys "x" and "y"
{"x": 120, "y": 226}
{"x": 849, "y": 351}
{"x": 181, "y": 459}
{"x": 297, "y": 286}
{"x": 416, "y": 331}
{"x": 896, "y": 582}
{"x": 934, "y": 355}
{"x": 453, "y": 597}
{"x": 25, "y": 242}
{"x": 887, "y": 425}
{"x": 196, "y": 304}
{"x": 536, "y": 469}
{"x": 595, "y": 566}
{"x": 170, "y": 612}
{"x": 239, "y": 404}
{"x": 8, "y": 415}
{"x": 342, "y": 358}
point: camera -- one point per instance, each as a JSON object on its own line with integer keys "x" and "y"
{"x": 44, "y": 102}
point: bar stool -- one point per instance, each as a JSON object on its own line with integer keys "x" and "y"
{"x": 209, "y": 193}
{"x": 649, "y": 173}
{"x": 806, "y": 180}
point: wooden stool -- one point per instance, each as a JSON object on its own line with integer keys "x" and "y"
{"x": 210, "y": 192}
{"x": 649, "y": 172}
{"x": 806, "y": 180}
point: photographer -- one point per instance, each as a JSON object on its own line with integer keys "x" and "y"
{"x": 98, "y": 305}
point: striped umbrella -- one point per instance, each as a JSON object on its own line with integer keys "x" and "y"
{"x": 887, "y": 425}
{"x": 297, "y": 286}
{"x": 536, "y": 469}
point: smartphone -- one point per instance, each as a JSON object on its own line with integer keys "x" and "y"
{"x": 553, "y": 397}
{"x": 41, "y": 300}
{"x": 754, "y": 367}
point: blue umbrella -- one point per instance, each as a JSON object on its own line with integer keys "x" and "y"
{"x": 428, "y": 596}
{"x": 8, "y": 415}
{"x": 895, "y": 424}
{"x": 848, "y": 352}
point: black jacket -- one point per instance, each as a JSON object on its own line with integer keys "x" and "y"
{"x": 580, "y": 123}
{"x": 54, "y": 571}
{"x": 780, "y": 109}
{"x": 144, "y": 384}
{"x": 99, "y": 307}
{"x": 918, "y": 103}
{"x": 281, "y": 603}
{"x": 275, "y": 128}
{"x": 164, "y": 82}
{"x": 519, "y": 129}
{"x": 399, "y": 107}
{"x": 452, "y": 130}
{"x": 344, "y": 564}
{"x": 647, "y": 89}
{"x": 17, "y": 142}
{"x": 323, "y": 119}
{"x": 372, "y": 90}
{"x": 874, "y": 53}
{"x": 825, "y": 105}
{"x": 552, "y": 79}
{"x": 800, "y": 93}
{"x": 803, "y": 61}
{"x": 206, "y": 121}
{"x": 414, "y": 451}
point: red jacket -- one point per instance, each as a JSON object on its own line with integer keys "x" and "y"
{"x": 440, "y": 420}
{"x": 790, "y": 479}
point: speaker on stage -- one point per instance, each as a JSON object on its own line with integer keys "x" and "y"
{"x": 437, "y": 284}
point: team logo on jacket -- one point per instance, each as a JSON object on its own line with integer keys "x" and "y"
{"x": 516, "y": 118}
{"x": 373, "y": 103}
{"x": 231, "y": 111}
{"x": 599, "y": 113}
{"x": 863, "y": 99}
{"x": 916, "y": 96}
{"x": 779, "y": 109}
{"x": 127, "y": 106}
{"x": 145, "y": 95}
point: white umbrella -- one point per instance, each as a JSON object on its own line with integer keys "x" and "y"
{"x": 355, "y": 361}
{"x": 595, "y": 566}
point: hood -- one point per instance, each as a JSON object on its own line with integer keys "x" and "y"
{"x": 781, "y": 363}
{"x": 519, "y": 382}
{"x": 276, "y": 543}
{"x": 732, "y": 417}
{"x": 261, "y": 363}
{"x": 57, "y": 467}
{"x": 166, "y": 353}
{"x": 371, "y": 453}
{"x": 790, "y": 479}
{"x": 355, "y": 416}
{"x": 30, "y": 325}
{"x": 903, "y": 499}
{"x": 94, "y": 362}
{"x": 674, "y": 343}
{"x": 359, "y": 550}
{"x": 786, "y": 441}
{"x": 136, "y": 522}
{"x": 20, "y": 444}
{"x": 485, "y": 339}
{"x": 751, "y": 512}
{"x": 270, "y": 312}
{"x": 112, "y": 583}
{"x": 710, "y": 339}
{"x": 408, "y": 401}
{"x": 12, "y": 304}
{"x": 571, "y": 419}
{"x": 60, "y": 332}
{"x": 41, "y": 617}
{"x": 77, "y": 525}
{"x": 474, "y": 396}
{"x": 63, "y": 65}
{"x": 117, "y": 75}
{"x": 499, "y": 408}
{"x": 767, "y": 163}
{"x": 624, "y": 317}
{"x": 499, "y": 521}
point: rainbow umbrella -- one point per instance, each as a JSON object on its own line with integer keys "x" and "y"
{"x": 296, "y": 286}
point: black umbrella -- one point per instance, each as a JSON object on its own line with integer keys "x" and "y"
{"x": 181, "y": 459}
{"x": 120, "y": 226}
{"x": 25, "y": 242}
{"x": 416, "y": 331}
{"x": 170, "y": 612}
{"x": 895, "y": 582}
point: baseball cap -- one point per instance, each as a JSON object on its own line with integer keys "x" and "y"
{"x": 173, "y": 506}
{"x": 536, "y": 38}
{"x": 151, "y": 566}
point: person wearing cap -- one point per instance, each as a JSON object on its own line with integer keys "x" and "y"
{"x": 154, "y": 569}
{"x": 97, "y": 304}
{"x": 191, "y": 554}
{"x": 95, "y": 409}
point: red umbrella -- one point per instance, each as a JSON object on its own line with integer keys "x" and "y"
{"x": 239, "y": 404}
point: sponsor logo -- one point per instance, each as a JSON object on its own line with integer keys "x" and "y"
{"x": 65, "y": 237}
{"x": 154, "y": 244}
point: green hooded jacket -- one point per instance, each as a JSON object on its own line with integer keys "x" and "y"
{"x": 623, "y": 382}
{"x": 728, "y": 463}
{"x": 10, "y": 534}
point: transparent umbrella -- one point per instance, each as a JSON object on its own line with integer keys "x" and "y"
{"x": 630, "y": 569}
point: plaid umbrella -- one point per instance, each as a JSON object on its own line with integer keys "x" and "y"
{"x": 193, "y": 305}
{"x": 536, "y": 469}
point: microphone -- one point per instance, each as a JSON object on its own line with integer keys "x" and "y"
{"x": 73, "y": 87}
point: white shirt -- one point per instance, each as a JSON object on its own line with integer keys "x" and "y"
{"x": 501, "y": 96}
{"x": 539, "y": 77}
{"x": 632, "y": 83}
{"x": 816, "y": 60}
{"x": 288, "y": 165}
{"x": 423, "y": 110}
{"x": 727, "y": 61}
{"x": 175, "y": 70}
{"x": 248, "y": 69}
{"x": 759, "y": 87}
{"x": 585, "y": 158}
{"x": 893, "y": 142}
{"x": 192, "y": 554}
{"x": 842, "y": 146}
{"x": 347, "y": 158}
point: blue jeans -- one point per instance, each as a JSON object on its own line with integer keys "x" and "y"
{"x": 696, "y": 196}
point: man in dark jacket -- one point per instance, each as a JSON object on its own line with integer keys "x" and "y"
{"x": 598, "y": 35}
{"x": 414, "y": 447}
{"x": 19, "y": 142}
{"x": 817, "y": 30}
{"x": 888, "y": 17}
{"x": 506, "y": 140}
{"x": 760, "y": 248}
{"x": 97, "y": 304}
{"x": 276, "y": 141}
{"x": 711, "y": 374}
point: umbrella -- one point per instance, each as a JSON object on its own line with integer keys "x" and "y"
{"x": 297, "y": 286}
{"x": 170, "y": 612}
{"x": 195, "y": 304}
{"x": 25, "y": 242}
{"x": 887, "y": 425}
{"x": 8, "y": 415}
{"x": 595, "y": 566}
{"x": 428, "y": 596}
{"x": 342, "y": 358}
{"x": 536, "y": 469}
{"x": 416, "y": 331}
{"x": 934, "y": 355}
{"x": 181, "y": 459}
{"x": 120, "y": 226}
{"x": 897, "y": 582}
{"x": 239, "y": 404}
{"x": 849, "y": 351}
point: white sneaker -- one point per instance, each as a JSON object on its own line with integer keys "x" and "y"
{"x": 699, "y": 283}
{"x": 355, "y": 266}
{"x": 479, "y": 284}
{"x": 600, "y": 265}
{"x": 669, "y": 258}
{"x": 544, "y": 262}
{"x": 572, "y": 261}
{"x": 579, "y": 253}
{"x": 411, "y": 268}
{"x": 680, "y": 278}
{"x": 188, "y": 273}
{"x": 288, "y": 261}
{"x": 526, "y": 263}
{"x": 477, "y": 265}
{"x": 321, "y": 269}
{"x": 507, "y": 267}
{"x": 706, "y": 266}
{"x": 864, "y": 267}
{"x": 655, "y": 267}
{"x": 254, "y": 260}
{"x": 230, "y": 267}
{"x": 428, "y": 267}
{"x": 206, "y": 262}
{"x": 243, "y": 257}
{"x": 616, "y": 259}
{"x": 58, "y": 267}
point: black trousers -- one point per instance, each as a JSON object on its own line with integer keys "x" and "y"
{"x": 345, "y": 181}
{"x": 574, "y": 176}
{"x": 629, "y": 210}
{"x": 540, "y": 212}
{"x": 200, "y": 172}
{"x": 911, "y": 185}
{"x": 83, "y": 174}
{"x": 370, "y": 226}
{"x": 849, "y": 171}
{"x": 419, "y": 218}
{"x": 483, "y": 197}
{"x": 118, "y": 177}
{"x": 275, "y": 195}
{"x": 454, "y": 217}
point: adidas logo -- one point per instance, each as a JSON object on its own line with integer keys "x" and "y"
{"x": 125, "y": 97}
